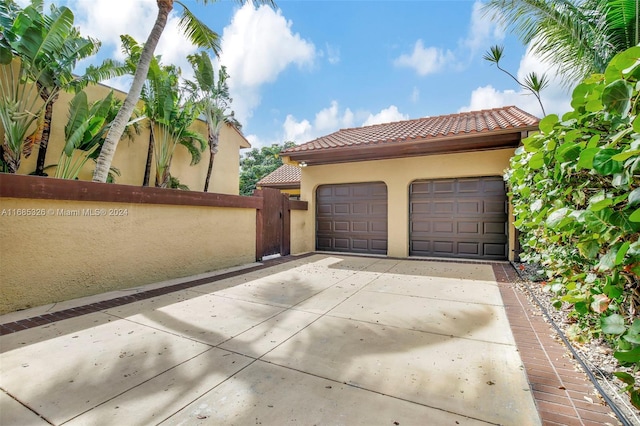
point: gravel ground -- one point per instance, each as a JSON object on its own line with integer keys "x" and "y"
{"x": 597, "y": 354}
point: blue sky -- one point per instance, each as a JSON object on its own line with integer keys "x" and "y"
{"x": 309, "y": 68}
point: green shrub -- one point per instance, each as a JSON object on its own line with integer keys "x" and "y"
{"x": 575, "y": 188}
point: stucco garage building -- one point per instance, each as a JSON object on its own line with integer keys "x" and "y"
{"x": 425, "y": 187}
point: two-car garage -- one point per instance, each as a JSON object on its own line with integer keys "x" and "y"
{"x": 426, "y": 187}
{"x": 457, "y": 218}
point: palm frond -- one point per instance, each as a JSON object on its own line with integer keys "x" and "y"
{"x": 560, "y": 31}
{"x": 197, "y": 31}
{"x": 623, "y": 23}
{"x": 192, "y": 147}
{"x": 57, "y": 28}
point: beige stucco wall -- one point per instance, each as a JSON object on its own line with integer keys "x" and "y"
{"x": 299, "y": 236}
{"x": 397, "y": 174}
{"x": 56, "y": 257}
{"x": 131, "y": 156}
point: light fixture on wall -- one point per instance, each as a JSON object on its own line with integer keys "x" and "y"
{"x": 303, "y": 164}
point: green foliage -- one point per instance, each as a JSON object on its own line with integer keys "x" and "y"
{"x": 169, "y": 110}
{"x": 174, "y": 183}
{"x": 29, "y": 43}
{"x": 84, "y": 133}
{"x": 578, "y": 36}
{"x": 532, "y": 83}
{"x": 212, "y": 95}
{"x": 576, "y": 195}
{"x": 258, "y": 163}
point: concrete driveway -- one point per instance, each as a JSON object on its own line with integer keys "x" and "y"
{"x": 323, "y": 340}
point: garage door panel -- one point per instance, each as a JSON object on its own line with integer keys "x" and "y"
{"x": 497, "y": 228}
{"x": 422, "y": 207}
{"x": 444, "y": 187}
{"x": 324, "y": 191}
{"x": 323, "y": 225}
{"x": 378, "y": 209}
{"x": 341, "y": 226}
{"x": 444, "y": 227}
{"x": 469, "y": 248}
{"x": 341, "y": 192}
{"x": 495, "y": 186}
{"x": 420, "y": 227}
{"x": 341, "y": 209}
{"x": 359, "y": 227}
{"x": 340, "y": 244}
{"x": 464, "y": 217}
{"x": 495, "y": 249}
{"x": 378, "y": 227}
{"x": 421, "y": 188}
{"x": 378, "y": 246}
{"x": 324, "y": 242}
{"x": 443, "y": 207}
{"x": 421, "y": 246}
{"x": 469, "y": 207}
{"x": 469, "y": 185}
{"x": 495, "y": 207}
{"x": 443, "y": 248}
{"x": 360, "y": 244}
{"x": 324, "y": 209}
{"x": 358, "y": 218}
{"x": 360, "y": 208}
{"x": 468, "y": 228}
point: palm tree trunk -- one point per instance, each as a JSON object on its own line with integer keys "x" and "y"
{"x": 206, "y": 182}
{"x": 46, "y": 131}
{"x": 147, "y": 168}
{"x": 119, "y": 123}
{"x": 213, "y": 148}
{"x": 10, "y": 158}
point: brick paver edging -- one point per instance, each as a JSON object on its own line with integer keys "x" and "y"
{"x": 562, "y": 392}
{"x": 24, "y": 324}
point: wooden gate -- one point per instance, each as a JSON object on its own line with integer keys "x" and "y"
{"x": 272, "y": 223}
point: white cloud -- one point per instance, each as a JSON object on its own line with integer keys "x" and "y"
{"x": 297, "y": 131}
{"x": 252, "y": 44}
{"x": 481, "y": 34}
{"x": 555, "y": 98}
{"x": 106, "y": 20}
{"x": 330, "y": 118}
{"x": 386, "y": 115}
{"x": 425, "y": 60}
{"x": 415, "y": 94}
{"x": 326, "y": 121}
{"x": 257, "y": 46}
{"x": 482, "y": 30}
{"x": 333, "y": 54}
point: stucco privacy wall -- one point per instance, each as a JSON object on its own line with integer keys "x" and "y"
{"x": 66, "y": 254}
{"x": 398, "y": 174}
{"x": 299, "y": 237}
{"x": 131, "y": 156}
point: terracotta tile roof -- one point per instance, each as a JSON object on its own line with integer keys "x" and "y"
{"x": 284, "y": 174}
{"x": 424, "y": 129}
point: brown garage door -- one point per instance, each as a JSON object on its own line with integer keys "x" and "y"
{"x": 459, "y": 218}
{"x": 352, "y": 218}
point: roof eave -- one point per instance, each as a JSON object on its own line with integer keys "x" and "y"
{"x": 508, "y": 138}
{"x": 286, "y": 185}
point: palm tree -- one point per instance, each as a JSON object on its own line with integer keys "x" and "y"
{"x": 579, "y": 36}
{"x": 85, "y": 127}
{"x": 50, "y": 47}
{"x": 170, "y": 115}
{"x": 28, "y": 42}
{"x": 214, "y": 99}
{"x": 132, "y": 50}
{"x": 197, "y": 32}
